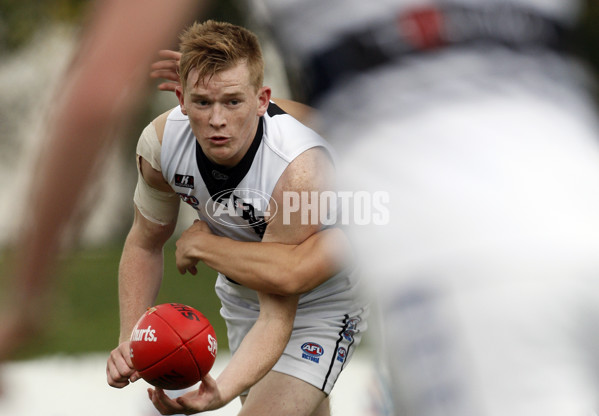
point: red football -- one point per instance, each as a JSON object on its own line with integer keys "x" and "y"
{"x": 173, "y": 346}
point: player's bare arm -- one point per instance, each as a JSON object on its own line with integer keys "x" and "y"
{"x": 281, "y": 268}
{"x": 144, "y": 245}
{"x": 140, "y": 274}
{"x": 276, "y": 268}
{"x": 277, "y": 313}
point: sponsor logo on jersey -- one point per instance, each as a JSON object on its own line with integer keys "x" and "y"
{"x": 189, "y": 199}
{"x": 148, "y": 334}
{"x": 184, "y": 181}
{"x": 312, "y": 351}
{"x": 341, "y": 354}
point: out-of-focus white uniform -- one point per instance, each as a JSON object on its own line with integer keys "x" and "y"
{"x": 486, "y": 139}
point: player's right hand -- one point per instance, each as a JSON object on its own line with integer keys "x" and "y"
{"x": 119, "y": 368}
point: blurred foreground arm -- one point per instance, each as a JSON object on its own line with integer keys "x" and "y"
{"x": 92, "y": 101}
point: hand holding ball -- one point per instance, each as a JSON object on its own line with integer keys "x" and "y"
{"x": 173, "y": 346}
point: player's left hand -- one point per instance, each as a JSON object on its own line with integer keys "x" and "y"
{"x": 167, "y": 68}
{"x": 189, "y": 246}
{"x": 206, "y": 397}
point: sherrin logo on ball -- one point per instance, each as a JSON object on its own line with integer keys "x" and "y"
{"x": 173, "y": 346}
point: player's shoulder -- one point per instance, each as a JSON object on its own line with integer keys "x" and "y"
{"x": 288, "y": 137}
{"x": 299, "y": 111}
{"x": 310, "y": 171}
{"x": 159, "y": 122}
{"x": 279, "y": 117}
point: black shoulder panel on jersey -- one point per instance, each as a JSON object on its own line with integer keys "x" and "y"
{"x": 274, "y": 110}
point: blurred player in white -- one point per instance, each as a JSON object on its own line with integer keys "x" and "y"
{"x": 482, "y": 129}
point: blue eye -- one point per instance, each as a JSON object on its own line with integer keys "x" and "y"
{"x": 201, "y": 102}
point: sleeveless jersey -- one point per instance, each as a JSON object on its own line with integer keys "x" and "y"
{"x": 234, "y": 202}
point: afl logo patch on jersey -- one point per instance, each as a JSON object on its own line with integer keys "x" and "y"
{"x": 241, "y": 208}
{"x": 184, "y": 181}
{"x": 312, "y": 351}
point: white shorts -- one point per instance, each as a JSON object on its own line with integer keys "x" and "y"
{"x": 328, "y": 327}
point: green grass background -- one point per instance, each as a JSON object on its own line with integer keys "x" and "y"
{"x": 84, "y": 315}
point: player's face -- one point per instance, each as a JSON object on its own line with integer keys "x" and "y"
{"x": 224, "y": 111}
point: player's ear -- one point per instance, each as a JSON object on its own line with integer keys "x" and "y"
{"x": 181, "y": 97}
{"x": 264, "y": 94}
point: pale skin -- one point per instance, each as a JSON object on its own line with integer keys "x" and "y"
{"x": 223, "y": 114}
{"x": 284, "y": 269}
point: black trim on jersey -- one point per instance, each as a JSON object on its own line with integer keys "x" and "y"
{"x": 219, "y": 178}
{"x": 275, "y": 110}
{"x": 345, "y": 326}
{"x": 232, "y": 281}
